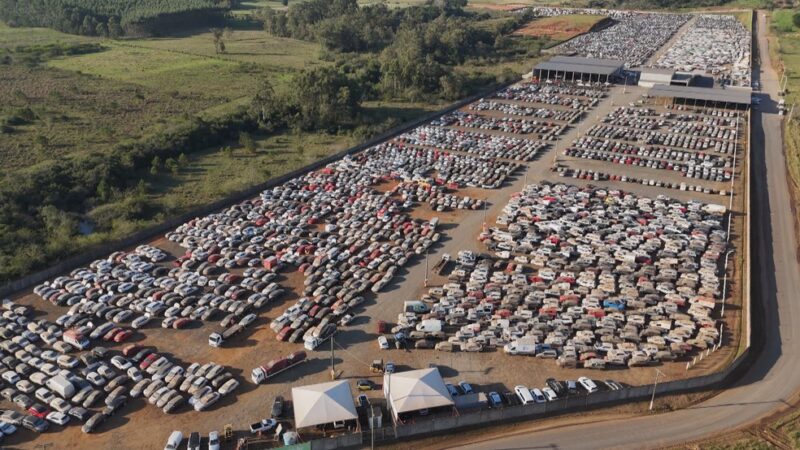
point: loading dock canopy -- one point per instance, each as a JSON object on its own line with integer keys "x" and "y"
{"x": 580, "y": 65}
{"x": 323, "y": 403}
{"x": 730, "y": 95}
{"x": 415, "y": 390}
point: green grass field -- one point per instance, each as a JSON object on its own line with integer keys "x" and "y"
{"x": 166, "y": 71}
{"x": 789, "y": 53}
{"x": 11, "y": 37}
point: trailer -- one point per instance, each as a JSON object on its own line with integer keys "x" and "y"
{"x": 263, "y": 373}
{"x": 217, "y": 339}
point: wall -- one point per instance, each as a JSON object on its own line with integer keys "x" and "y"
{"x": 142, "y": 236}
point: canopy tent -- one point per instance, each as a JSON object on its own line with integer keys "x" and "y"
{"x": 323, "y": 403}
{"x": 415, "y": 390}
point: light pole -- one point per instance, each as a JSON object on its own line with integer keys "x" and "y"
{"x": 655, "y": 385}
{"x": 426, "y": 267}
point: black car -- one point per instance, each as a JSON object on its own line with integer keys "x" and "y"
{"x": 115, "y": 405}
{"x": 34, "y": 423}
{"x": 80, "y": 413}
{"x": 277, "y": 407}
{"x": 100, "y": 352}
{"x": 141, "y": 354}
{"x": 556, "y": 386}
{"x": 194, "y": 441}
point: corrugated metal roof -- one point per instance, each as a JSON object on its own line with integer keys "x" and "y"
{"x": 738, "y": 96}
{"x": 577, "y": 64}
{"x": 587, "y": 61}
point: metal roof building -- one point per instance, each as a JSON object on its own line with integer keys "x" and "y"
{"x": 651, "y": 77}
{"x": 578, "y": 68}
{"x": 729, "y": 96}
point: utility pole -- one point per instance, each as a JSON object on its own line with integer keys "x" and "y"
{"x": 426, "y": 267}
{"x": 372, "y": 427}
{"x": 655, "y": 385}
{"x": 333, "y": 362}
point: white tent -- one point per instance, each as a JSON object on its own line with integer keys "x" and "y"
{"x": 323, "y": 403}
{"x": 415, "y": 390}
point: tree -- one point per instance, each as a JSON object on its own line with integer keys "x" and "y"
{"x": 103, "y": 190}
{"x": 219, "y": 45}
{"x": 285, "y": 2}
{"x": 227, "y": 151}
{"x": 246, "y": 141}
{"x": 182, "y": 160}
{"x": 101, "y": 29}
{"x": 114, "y": 29}
{"x": 155, "y": 165}
{"x": 796, "y": 19}
{"x": 172, "y": 165}
{"x": 268, "y": 107}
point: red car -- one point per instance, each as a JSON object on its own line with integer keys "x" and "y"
{"x": 123, "y": 336}
{"x": 111, "y": 334}
{"x": 131, "y": 349}
{"x": 284, "y": 333}
{"x": 147, "y": 361}
{"x": 39, "y": 410}
{"x": 181, "y": 323}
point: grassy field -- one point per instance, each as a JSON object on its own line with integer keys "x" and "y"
{"x": 789, "y": 53}
{"x": 171, "y": 72}
{"x": 212, "y": 173}
{"x": 79, "y": 113}
{"x": 11, "y": 37}
{"x": 746, "y": 18}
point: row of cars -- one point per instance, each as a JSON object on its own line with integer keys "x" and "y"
{"x": 591, "y": 277}
{"x": 484, "y": 144}
{"x": 544, "y": 129}
{"x": 596, "y": 175}
{"x": 633, "y": 37}
{"x": 716, "y": 44}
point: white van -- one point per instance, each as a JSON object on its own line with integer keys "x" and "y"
{"x": 588, "y": 384}
{"x": 524, "y": 395}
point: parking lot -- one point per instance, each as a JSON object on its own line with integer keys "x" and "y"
{"x": 338, "y": 250}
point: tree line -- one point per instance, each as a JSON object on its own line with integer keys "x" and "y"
{"x": 400, "y": 53}
{"x": 111, "y": 18}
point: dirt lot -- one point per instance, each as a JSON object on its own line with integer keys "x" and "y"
{"x": 560, "y": 28}
{"x": 356, "y": 346}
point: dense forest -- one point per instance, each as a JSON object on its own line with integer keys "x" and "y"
{"x": 111, "y": 17}
{"x": 408, "y": 53}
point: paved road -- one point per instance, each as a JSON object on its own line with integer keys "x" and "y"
{"x": 773, "y": 377}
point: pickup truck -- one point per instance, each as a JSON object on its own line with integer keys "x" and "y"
{"x": 264, "y": 425}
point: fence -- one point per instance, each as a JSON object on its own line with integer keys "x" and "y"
{"x": 101, "y": 251}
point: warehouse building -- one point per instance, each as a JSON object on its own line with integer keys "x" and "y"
{"x": 731, "y": 97}
{"x": 574, "y": 68}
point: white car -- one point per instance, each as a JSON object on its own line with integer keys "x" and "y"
{"x": 383, "y": 343}
{"x": 58, "y": 418}
{"x": 141, "y": 321}
{"x": 550, "y": 394}
{"x": 121, "y": 363}
{"x": 588, "y": 384}
{"x": 213, "y": 440}
{"x": 247, "y": 320}
{"x": 135, "y": 374}
{"x": 11, "y": 377}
